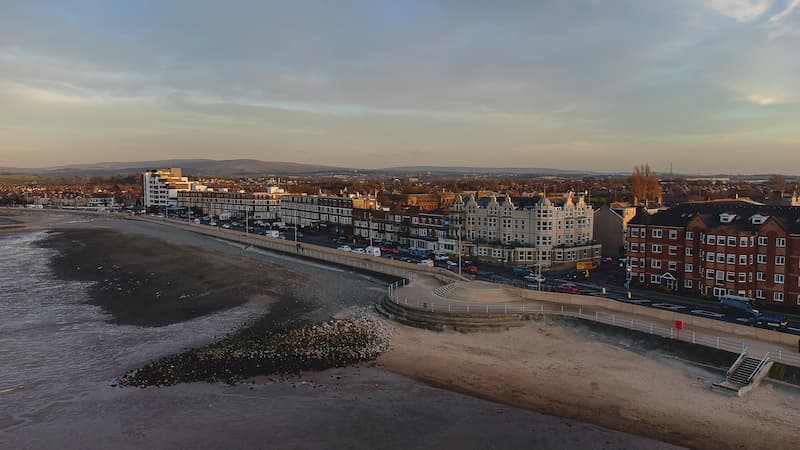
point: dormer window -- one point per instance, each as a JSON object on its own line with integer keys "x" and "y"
{"x": 758, "y": 219}
{"x": 726, "y": 217}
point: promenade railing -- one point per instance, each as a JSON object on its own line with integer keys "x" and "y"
{"x": 616, "y": 320}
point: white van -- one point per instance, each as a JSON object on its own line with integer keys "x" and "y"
{"x": 373, "y": 251}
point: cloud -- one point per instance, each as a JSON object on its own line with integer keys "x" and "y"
{"x": 741, "y": 10}
{"x": 778, "y": 25}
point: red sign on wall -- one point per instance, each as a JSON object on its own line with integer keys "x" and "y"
{"x": 678, "y": 324}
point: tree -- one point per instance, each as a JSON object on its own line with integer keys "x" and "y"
{"x": 645, "y": 185}
{"x": 777, "y": 183}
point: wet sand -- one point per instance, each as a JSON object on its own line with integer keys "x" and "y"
{"x": 150, "y": 282}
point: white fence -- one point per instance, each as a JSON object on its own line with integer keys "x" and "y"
{"x": 617, "y": 320}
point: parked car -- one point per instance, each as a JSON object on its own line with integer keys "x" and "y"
{"x": 521, "y": 271}
{"x": 738, "y": 303}
{"x": 567, "y": 288}
{"x": 212, "y": 223}
{"x": 390, "y": 250}
{"x": 426, "y": 262}
{"x": 451, "y": 263}
{"x": 344, "y": 248}
{"x": 359, "y": 251}
{"x": 769, "y": 321}
{"x": 471, "y": 269}
{"x": 227, "y": 226}
{"x": 535, "y": 278}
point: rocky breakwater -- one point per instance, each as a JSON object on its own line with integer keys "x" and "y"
{"x": 288, "y": 350}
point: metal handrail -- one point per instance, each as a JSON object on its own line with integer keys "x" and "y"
{"x": 736, "y": 363}
{"x": 759, "y": 367}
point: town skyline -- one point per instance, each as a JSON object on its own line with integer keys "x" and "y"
{"x": 707, "y": 85}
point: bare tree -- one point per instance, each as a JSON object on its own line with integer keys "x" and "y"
{"x": 645, "y": 185}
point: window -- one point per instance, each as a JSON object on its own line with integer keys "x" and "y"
{"x": 731, "y": 258}
{"x": 655, "y": 279}
{"x": 760, "y": 276}
{"x": 635, "y": 232}
{"x": 688, "y": 268}
{"x": 634, "y": 247}
{"x": 688, "y": 285}
{"x": 673, "y": 234}
{"x": 778, "y": 278}
{"x": 780, "y": 260}
{"x": 672, "y": 265}
{"x": 780, "y": 242}
{"x": 656, "y": 248}
{"x": 759, "y": 293}
{"x": 762, "y": 240}
{"x": 798, "y": 299}
{"x": 731, "y": 241}
{"x": 657, "y": 232}
{"x": 720, "y": 275}
{"x": 742, "y": 260}
{"x": 720, "y": 257}
{"x": 743, "y": 242}
{"x": 655, "y": 264}
{"x": 689, "y": 235}
{"x": 711, "y": 239}
{"x": 673, "y": 250}
{"x": 762, "y": 258}
{"x": 710, "y": 257}
{"x": 778, "y": 296}
{"x": 689, "y": 251}
{"x": 730, "y": 276}
{"x": 710, "y": 274}
{"x": 742, "y": 277}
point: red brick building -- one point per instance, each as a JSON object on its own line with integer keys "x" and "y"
{"x": 736, "y": 248}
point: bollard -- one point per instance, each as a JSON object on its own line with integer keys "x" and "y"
{"x": 694, "y": 340}
{"x": 631, "y": 324}
{"x": 596, "y": 316}
{"x": 562, "y": 309}
{"x": 604, "y": 291}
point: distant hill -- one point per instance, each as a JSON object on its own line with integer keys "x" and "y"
{"x": 196, "y": 167}
{"x": 489, "y": 170}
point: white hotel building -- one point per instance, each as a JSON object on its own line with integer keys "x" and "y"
{"x": 526, "y": 231}
{"x": 161, "y": 187}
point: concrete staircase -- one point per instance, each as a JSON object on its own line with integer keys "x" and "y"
{"x": 441, "y": 321}
{"x": 745, "y": 374}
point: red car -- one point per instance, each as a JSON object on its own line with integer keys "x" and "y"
{"x": 392, "y": 251}
{"x": 471, "y": 269}
{"x": 567, "y": 288}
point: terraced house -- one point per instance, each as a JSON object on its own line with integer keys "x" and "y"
{"x": 716, "y": 248}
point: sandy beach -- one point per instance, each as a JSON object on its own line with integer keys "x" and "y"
{"x": 541, "y": 386}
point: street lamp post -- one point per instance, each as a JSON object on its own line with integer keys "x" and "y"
{"x": 459, "y": 250}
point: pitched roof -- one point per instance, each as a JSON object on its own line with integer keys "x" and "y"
{"x": 740, "y": 214}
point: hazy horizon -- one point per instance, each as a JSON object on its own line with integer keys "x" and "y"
{"x": 709, "y": 86}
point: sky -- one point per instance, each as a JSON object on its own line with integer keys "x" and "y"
{"x": 709, "y": 86}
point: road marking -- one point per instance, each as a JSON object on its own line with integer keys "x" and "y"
{"x": 742, "y": 319}
{"x": 669, "y": 306}
{"x": 793, "y": 329}
{"x": 702, "y": 312}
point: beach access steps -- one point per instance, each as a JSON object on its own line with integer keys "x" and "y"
{"x": 745, "y": 374}
{"x": 441, "y": 321}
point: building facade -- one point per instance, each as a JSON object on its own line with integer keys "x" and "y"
{"x": 324, "y": 211}
{"x": 255, "y": 205}
{"x": 610, "y": 225}
{"x": 526, "y": 231}
{"x": 161, "y": 187}
{"x": 714, "y": 249}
